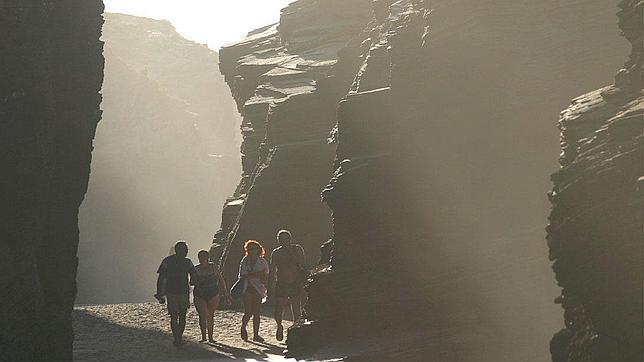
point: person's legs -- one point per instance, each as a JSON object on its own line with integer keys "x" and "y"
{"x": 210, "y": 317}
{"x": 248, "y": 312}
{"x": 174, "y": 317}
{"x": 296, "y": 307}
{"x": 256, "y": 305}
{"x": 280, "y": 305}
{"x": 173, "y": 310}
{"x": 182, "y": 306}
{"x": 202, "y": 310}
{"x": 181, "y": 325}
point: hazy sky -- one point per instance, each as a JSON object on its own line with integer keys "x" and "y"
{"x": 214, "y": 22}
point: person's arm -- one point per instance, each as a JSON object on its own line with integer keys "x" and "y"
{"x": 161, "y": 283}
{"x": 300, "y": 256}
{"x": 161, "y": 280}
{"x": 221, "y": 281}
{"x": 264, "y": 272}
{"x": 271, "y": 274}
{"x": 191, "y": 273}
{"x": 191, "y": 277}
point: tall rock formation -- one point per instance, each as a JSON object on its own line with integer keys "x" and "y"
{"x": 596, "y": 227}
{"x": 51, "y": 70}
{"x": 287, "y": 81}
{"x": 165, "y": 158}
{"x": 437, "y": 189}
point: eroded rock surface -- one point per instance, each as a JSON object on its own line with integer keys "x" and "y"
{"x": 595, "y": 231}
{"x": 443, "y": 141}
{"x": 51, "y": 70}
{"x": 287, "y": 81}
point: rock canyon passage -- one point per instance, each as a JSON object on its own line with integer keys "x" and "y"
{"x": 465, "y": 176}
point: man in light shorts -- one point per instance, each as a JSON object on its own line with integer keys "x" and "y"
{"x": 173, "y": 284}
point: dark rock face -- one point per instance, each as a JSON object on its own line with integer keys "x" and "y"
{"x": 437, "y": 190}
{"x": 165, "y": 158}
{"x": 595, "y": 231}
{"x": 287, "y": 81}
{"x": 428, "y": 156}
{"x": 51, "y": 71}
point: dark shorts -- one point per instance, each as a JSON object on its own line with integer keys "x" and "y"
{"x": 178, "y": 303}
{"x": 206, "y": 293}
{"x": 286, "y": 290}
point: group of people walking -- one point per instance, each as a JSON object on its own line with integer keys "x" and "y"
{"x": 282, "y": 277}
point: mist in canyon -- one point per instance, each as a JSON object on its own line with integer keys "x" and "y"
{"x": 443, "y": 119}
{"x": 464, "y": 175}
{"x": 166, "y": 156}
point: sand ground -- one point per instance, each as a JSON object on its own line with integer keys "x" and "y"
{"x": 141, "y": 332}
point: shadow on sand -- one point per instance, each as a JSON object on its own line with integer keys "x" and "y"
{"x": 98, "y": 339}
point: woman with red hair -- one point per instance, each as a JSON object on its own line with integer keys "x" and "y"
{"x": 253, "y": 269}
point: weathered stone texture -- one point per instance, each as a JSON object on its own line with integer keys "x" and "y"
{"x": 595, "y": 231}
{"x": 51, "y": 69}
{"x": 435, "y": 197}
{"x": 287, "y": 81}
{"x": 443, "y": 142}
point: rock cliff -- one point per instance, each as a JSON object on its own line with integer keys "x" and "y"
{"x": 51, "y": 70}
{"x": 287, "y": 80}
{"x": 165, "y": 158}
{"x": 438, "y": 180}
{"x": 595, "y": 230}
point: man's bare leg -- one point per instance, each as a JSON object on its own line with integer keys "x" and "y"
{"x": 181, "y": 325}
{"x": 174, "y": 317}
{"x": 296, "y": 308}
{"x": 279, "y": 315}
{"x": 279, "y": 310}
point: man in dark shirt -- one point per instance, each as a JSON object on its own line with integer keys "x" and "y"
{"x": 173, "y": 284}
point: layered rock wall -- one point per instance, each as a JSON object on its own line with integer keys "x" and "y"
{"x": 435, "y": 199}
{"x": 51, "y": 71}
{"x": 595, "y": 230}
{"x": 287, "y": 81}
{"x": 438, "y": 183}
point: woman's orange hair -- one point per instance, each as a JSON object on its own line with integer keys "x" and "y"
{"x": 262, "y": 252}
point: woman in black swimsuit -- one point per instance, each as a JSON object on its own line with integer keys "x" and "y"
{"x": 209, "y": 288}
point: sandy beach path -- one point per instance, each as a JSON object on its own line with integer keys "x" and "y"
{"x": 141, "y": 332}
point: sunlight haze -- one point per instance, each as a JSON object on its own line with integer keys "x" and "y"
{"x": 213, "y": 22}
